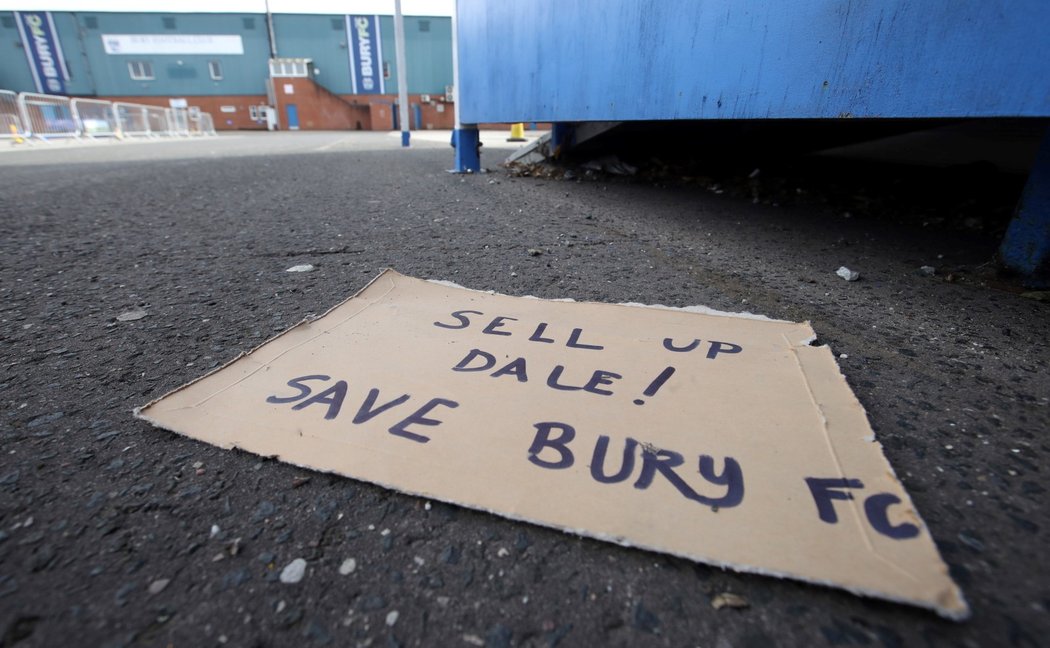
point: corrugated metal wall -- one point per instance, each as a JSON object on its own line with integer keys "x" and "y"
{"x": 14, "y": 70}
{"x": 608, "y": 60}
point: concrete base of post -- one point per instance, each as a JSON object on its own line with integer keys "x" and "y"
{"x": 467, "y": 143}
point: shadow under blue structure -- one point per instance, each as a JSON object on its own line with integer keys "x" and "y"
{"x": 618, "y": 60}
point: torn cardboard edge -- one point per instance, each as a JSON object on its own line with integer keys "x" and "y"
{"x": 956, "y": 609}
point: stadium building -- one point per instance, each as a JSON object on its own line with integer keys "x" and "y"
{"x": 310, "y": 72}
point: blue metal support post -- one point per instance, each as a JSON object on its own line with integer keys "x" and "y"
{"x": 1026, "y": 246}
{"x": 468, "y": 149}
{"x": 562, "y": 138}
{"x": 465, "y": 138}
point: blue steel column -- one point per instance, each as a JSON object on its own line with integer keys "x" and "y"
{"x": 465, "y": 136}
{"x": 563, "y": 137}
{"x": 1026, "y": 246}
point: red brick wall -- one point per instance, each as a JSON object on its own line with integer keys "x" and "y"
{"x": 380, "y": 107}
{"x": 319, "y": 109}
{"x": 237, "y": 120}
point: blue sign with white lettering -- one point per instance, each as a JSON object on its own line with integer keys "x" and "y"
{"x": 44, "y": 52}
{"x": 366, "y": 54}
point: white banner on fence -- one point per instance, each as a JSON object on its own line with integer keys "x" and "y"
{"x": 172, "y": 44}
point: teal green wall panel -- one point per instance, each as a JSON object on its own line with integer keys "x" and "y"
{"x": 14, "y": 70}
{"x": 177, "y": 74}
{"x": 428, "y": 53}
{"x": 320, "y": 38}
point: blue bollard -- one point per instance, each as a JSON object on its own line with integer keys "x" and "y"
{"x": 468, "y": 150}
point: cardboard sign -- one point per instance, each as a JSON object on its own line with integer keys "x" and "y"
{"x": 723, "y": 439}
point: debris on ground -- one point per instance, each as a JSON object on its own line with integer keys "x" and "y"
{"x": 348, "y": 567}
{"x": 1038, "y": 295}
{"x": 546, "y": 170}
{"x": 294, "y": 571}
{"x": 157, "y": 586}
{"x": 306, "y": 267}
{"x": 535, "y": 251}
{"x": 610, "y": 164}
{"x": 131, "y": 316}
{"x": 928, "y": 271}
{"x": 847, "y": 274}
{"x": 730, "y": 600}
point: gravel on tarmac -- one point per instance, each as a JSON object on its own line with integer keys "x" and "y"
{"x": 128, "y": 270}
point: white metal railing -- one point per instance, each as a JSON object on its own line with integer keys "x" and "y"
{"x": 157, "y": 120}
{"x": 29, "y": 114}
{"x": 180, "y": 121}
{"x": 48, "y": 116}
{"x": 95, "y": 118}
{"x": 131, "y": 119}
{"x": 12, "y": 123}
{"x": 207, "y": 125}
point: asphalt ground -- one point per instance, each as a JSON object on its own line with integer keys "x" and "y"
{"x": 114, "y": 533}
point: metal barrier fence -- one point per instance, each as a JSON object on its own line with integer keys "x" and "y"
{"x": 207, "y": 125}
{"x": 48, "y": 116}
{"x": 12, "y": 124}
{"x": 131, "y": 119}
{"x": 157, "y": 120}
{"x": 31, "y": 115}
{"x": 95, "y": 117}
{"x": 180, "y": 121}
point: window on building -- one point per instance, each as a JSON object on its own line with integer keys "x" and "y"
{"x": 140, "y": 70}
{"x": 215, "y": 70}
{"x": 253, "y": 113}
{"x": 169, "y": 22}
{"x": 424, "y": 25}
{"x": 8, "y": 22}
{"x": 289, "y": 67}
{"x": 249, "y": 23}
{"x": 338, "y": 24}
{"x": 91, "y": 22}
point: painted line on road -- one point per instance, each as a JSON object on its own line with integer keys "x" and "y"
{"x": 331, "y": 144}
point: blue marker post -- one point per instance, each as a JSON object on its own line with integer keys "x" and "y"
{"x": 1026, "y": 246}
{"x": 402, "y": 80}
{"x": 465, "y": 136}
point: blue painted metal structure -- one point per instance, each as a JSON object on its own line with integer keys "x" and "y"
{"x": 607, "y": 60}
{"x": 637, "y": 60}
{"x": 467, "y": 143}
{"x": 1026, "y": 246}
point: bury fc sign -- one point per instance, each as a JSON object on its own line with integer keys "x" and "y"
{"x": 44, "y": 52}
{"x": 366, "y": 54}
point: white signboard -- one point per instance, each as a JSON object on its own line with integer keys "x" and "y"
{"x": 172, "y": 44}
